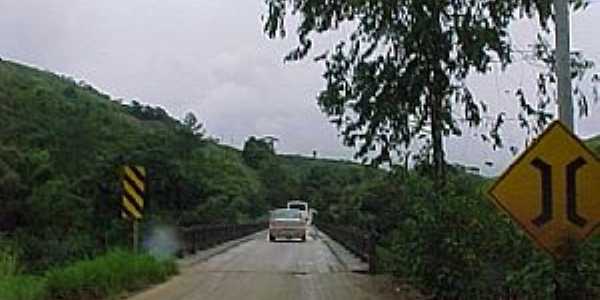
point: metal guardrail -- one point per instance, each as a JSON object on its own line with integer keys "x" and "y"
{"x": 201, "y": 237}
{"x": 359, "y": 242}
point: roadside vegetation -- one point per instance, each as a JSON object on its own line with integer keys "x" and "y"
{"x": 62, "y": 145}
{"x": 105, "y": 276}
{"x": 457, "y": 245}
{"x": 454, "y": 243}
{"x": 62, "y": 142}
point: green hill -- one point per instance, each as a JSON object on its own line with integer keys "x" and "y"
{"x": 62, "y": 143}
{"x": 594, "y": 143}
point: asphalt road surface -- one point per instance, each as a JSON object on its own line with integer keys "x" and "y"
{"x": 262, "y": 270}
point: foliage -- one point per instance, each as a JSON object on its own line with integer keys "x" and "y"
{"x": 22, "y": 287}
{"x": 107, "y": 275}
{"x": 446, "y": 241}
{"x": 280, "y": 184}
{"x": 533, "y": 118}
{"x": 9, "y": 264}
{"x": 258, "y": 151}
{"x": 342, "y": 194}
{"x": 459, "y": 246}
{"x": 400, "y": 72}
{"x": 228, "y": 191}
{"x": 62, "y": 144}
{"x": 14, "y": 285}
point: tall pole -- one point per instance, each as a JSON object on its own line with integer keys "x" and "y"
{"x": 563, "y": 74}
{"x": 563, "y": 67}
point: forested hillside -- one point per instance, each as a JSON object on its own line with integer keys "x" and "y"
{"x": 62, "y": 142}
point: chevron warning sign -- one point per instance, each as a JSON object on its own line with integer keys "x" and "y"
{"x": 134, "y": 188}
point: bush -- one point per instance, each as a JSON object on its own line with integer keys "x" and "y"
{"x": 14, "y": 286}
{"x": 22, "y": 288}
{"x": 8, "y": 262}
{"x": 456, "y": 245}
{"x": 107, "y": 275}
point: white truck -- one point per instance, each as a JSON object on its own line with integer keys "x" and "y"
{"x": 302, "y": 206}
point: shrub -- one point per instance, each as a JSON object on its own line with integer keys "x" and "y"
{"x": 457, "y": 245}
{"x": 8, "y": 262}
{"x": 22, "y": 288}
{"x": 107, "y": 275}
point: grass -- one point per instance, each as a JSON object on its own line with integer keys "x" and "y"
{"x": 103, "y": 277}
{"x": 22, "y": 287}
{"x": 108, "y": 275}
{"x": 14, "y": 286}
{"x": 8, "y": 262}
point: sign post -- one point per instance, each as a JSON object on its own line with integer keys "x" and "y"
{"x": 136, "y": 236}
{"x": 132, "y": 199}
{"x": 563, "y": 74}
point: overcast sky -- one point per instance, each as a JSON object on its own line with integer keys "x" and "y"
{"x": 211, "y": 58}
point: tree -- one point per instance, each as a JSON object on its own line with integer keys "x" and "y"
{"x": 280, "y": 186}
{"x": 191, "y": 123}
{"x": 401, "y": 72}
{"x": 258, "y": 151}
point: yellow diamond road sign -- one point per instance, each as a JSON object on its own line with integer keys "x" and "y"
{"x": 553, "y": 190}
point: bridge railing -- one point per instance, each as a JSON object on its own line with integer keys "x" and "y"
{"x": 201, "y": 237}
{"x": 359, "y": 242}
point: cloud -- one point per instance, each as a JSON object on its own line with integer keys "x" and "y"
{"x": 211, "y": 58}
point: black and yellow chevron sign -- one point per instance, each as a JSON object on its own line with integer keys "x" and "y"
{"x": 134, "y": 188}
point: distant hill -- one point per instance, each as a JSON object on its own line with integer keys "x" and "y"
{"x": 594, "y": 143}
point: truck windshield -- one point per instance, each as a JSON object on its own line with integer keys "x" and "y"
{"x": 301, "y": 207}
{"x": 286, "y": 214}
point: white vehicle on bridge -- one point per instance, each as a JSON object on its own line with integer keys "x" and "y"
{"x": 287, "y": 223}
{"x": 302, "y": 206}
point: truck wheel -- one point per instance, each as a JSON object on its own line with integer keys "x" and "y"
{"x": 303, "y": 238}
{"x": 271, "y": 238}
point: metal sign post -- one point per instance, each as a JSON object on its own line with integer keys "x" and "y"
{"x": 135, "y": 236}
{"x": 563, "y": 75}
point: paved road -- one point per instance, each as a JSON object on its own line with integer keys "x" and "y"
{"x": 258, "y": 269}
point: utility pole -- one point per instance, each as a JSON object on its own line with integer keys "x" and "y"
{"x": 563, "y": 62}
{"x": 563, "y": 74}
